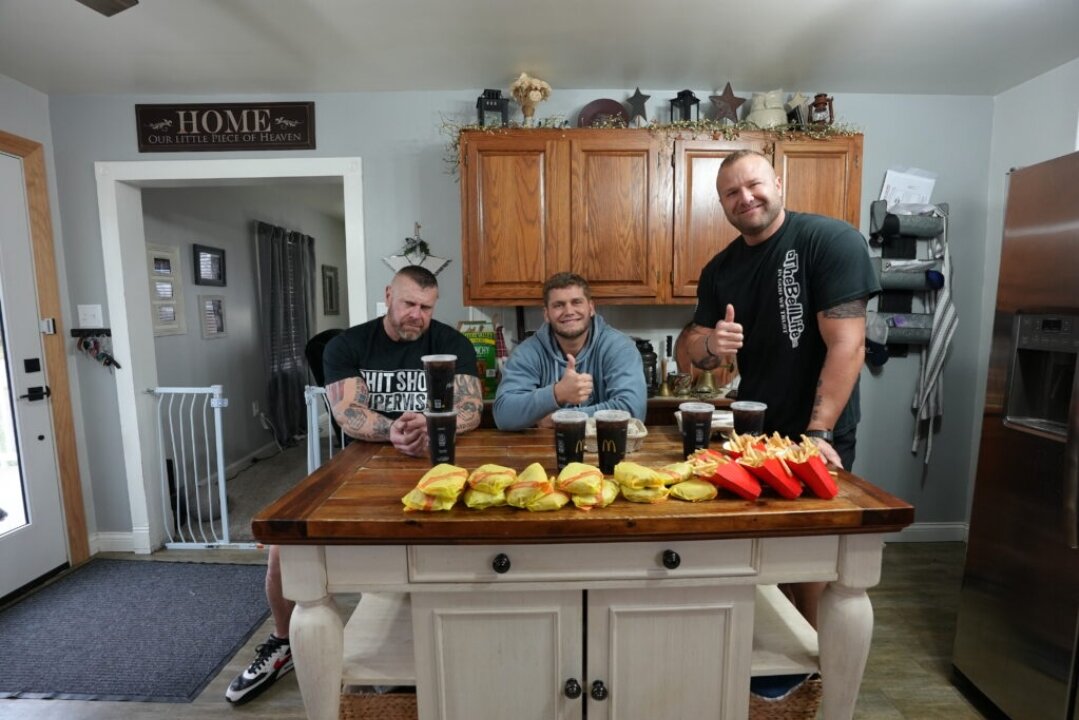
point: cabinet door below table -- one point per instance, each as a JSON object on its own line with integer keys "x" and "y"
{"x": 497, "y": 654}
{"x": 671, "y": 653}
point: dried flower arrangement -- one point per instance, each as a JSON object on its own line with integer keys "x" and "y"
{"x": 528, "y": 91}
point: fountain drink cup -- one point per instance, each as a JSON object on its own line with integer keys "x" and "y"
{"x": 696, "y": 426}
{"x": 442, "y": 436}
{"x": 440, "y": 371}
{"x": 748, "y": 417}
{"x": 569, "y": 427}
{"x": 611, "y": 429}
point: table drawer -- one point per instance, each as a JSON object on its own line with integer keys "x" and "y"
{"x": 594, "y": 561}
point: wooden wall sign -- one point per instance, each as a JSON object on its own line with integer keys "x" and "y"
{"x": 226, "y": 126}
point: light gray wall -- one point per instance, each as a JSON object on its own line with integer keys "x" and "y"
{"x": 25, "y": 112}
{"x": 223, "y": 217}
{"x": 405, "y": 180}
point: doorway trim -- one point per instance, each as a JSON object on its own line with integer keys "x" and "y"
{"x": 123, "y": 242}
{"x": 46, "y": 280}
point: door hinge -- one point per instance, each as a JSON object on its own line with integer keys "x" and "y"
{"x": 48, "y": 326}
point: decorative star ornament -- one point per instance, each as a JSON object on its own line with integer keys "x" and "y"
{"x": 636, "y": 106}
{"x": 727, "y": 104}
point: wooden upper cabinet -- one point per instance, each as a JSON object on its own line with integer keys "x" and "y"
{"x": 514, "y": 215}
{"x": 822, "y": 176}
{"x": 634, "y": 211}
{"x": 700, "y": 228}
{"x": 618, "y": 217}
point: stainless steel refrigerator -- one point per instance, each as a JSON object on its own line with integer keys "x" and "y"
{"x": 1016, "y": 638}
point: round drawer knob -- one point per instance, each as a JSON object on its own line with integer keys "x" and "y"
{"x": 599, "y": 690}
{"x": 671, "y": 559}
{"x": 501, "y": 563}
{"x": 572, "y": 689}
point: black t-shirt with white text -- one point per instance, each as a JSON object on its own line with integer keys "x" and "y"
{"x": 393, "y": 370}
{"x": 812, "y": 263}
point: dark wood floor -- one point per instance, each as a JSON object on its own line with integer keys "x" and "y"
{"x": 908, "y": 676}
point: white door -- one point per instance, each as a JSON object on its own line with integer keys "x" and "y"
{"x": 32, "y": 536}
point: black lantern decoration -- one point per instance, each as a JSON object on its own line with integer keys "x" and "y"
{"x": 492, "y": 109}
{"x": 820, "y": 110}
{"x": 685, "y": 100}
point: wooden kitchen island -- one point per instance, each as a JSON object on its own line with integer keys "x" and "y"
{"x": 635, "y": 610}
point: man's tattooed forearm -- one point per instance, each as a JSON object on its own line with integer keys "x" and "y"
{"x": 852, "y": 309}
{"x": 469, "y": 402}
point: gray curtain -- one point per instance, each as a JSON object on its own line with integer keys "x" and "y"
{"x": 286, "y": 276}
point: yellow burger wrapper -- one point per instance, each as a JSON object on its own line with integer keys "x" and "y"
{"x": 444, "y": 481}
{"x": 675, "y": 472}
{"x": 531, "y": 484}
{"x": 417, "y": 499}
{"x": 580, "y": 479}
{"x": 491, "y": 479}
{"x": 694, "y": 490}
{"x": 632, "y": 475}
{"x": 645, "y": 495}
{"x": 606, "y": 495}
{"x": 479, "y": 500}
{"x": 550, "y": 501}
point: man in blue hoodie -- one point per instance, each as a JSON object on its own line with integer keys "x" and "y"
{"x": 575, "y": 360}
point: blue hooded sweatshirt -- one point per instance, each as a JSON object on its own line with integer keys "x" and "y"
{"x": 526, "y": 392}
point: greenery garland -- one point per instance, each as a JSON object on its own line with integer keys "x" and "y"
{"x": 686, "y": 129}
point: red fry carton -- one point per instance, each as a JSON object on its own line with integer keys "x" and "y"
{"x": 735, "y": 478}
{"x": 814, "y": 473}
{"x": 773, "y": 472}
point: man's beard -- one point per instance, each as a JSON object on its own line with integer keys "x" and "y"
{"x": 408, "y": 332}
{"x": 747, "y": 227}
{"x": 573, "y": 335}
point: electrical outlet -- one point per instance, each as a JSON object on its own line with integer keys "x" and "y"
{"x": 254, "y": 409}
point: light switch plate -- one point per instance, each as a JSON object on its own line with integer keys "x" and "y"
{"x": 380, "y": 309}
{"x": 90, "y": 316}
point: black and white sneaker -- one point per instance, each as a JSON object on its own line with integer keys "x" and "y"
{"x": 273, "y": 659}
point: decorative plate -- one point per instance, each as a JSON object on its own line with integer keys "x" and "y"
{"x": 599, "y": 112}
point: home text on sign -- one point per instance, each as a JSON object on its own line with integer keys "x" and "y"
{"x": 226, "y": 126}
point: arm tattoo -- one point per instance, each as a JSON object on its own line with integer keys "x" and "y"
{"x": 468, "y": 401}
{"x": 817, "y": 400}
{"x": 349, "y": 400}
{"x": 852, "y": 309}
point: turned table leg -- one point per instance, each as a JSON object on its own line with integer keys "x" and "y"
{"x": 316, "y": 632}
{"x": 845, "y": 624}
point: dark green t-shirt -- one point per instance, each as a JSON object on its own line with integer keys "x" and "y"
{"x": 777, "y": 288}
{"x": 393, "y": 370}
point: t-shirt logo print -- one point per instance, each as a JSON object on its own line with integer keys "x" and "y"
{"x": 396, "y": 390}
{"x": 791, "y": 311}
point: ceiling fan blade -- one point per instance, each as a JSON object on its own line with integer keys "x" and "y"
{"x": 108, "y": 8}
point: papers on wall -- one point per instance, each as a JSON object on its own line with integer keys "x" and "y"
{"x": 907, "y": 186}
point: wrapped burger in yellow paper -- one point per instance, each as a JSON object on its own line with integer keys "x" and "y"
{"x": 438, "y": 489}
{"x": 694, "y": 490}
{"x": 532, "y": 483}
{"x": 675, "y": 472}
{"x": 634, "y": 476}
{"x": 491, "y": 479}
{"x": 417, "y": 499}
{"x": 548, "y": 501}
{"x": 607, "y": 495}
{"x": 646, "y": 494}
{"x": 580, "y": 479}
{"x": 480, "y": 500}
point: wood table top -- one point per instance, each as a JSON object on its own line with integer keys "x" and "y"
{"x": 355, "y": 499}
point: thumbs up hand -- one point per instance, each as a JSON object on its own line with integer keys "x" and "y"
{"x": 574, "y": 388}
{"x": 727, "y": 338}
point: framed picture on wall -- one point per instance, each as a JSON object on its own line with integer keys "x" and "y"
{"x": 209, "y": 265}
{"x": 331, "y": 291}
{"x": 212, "y": 316}
{"x": 166, "y": 290}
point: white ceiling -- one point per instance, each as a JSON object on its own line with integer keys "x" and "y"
{"x": 953, "y": 47}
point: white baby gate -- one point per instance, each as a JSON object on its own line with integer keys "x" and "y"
{"x": 316, "y": 400}
{"x": 192, "y": 470}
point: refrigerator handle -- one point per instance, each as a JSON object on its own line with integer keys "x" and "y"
{"x": 1071, "y": 470}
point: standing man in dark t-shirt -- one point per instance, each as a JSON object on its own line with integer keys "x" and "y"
{"x": 377, "y": 389}
{"x": 788, "y": 297}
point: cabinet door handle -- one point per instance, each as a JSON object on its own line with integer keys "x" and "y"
{"x": 599, "y": 690}
{"x": 572, "y": 689}
{"x": 671, "y": 559}
{"x": 501, "y": 563}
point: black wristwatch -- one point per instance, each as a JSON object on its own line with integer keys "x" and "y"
{"x": 825, "y": 435}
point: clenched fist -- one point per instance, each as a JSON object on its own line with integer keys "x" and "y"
{"x": 574, "y": 388}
